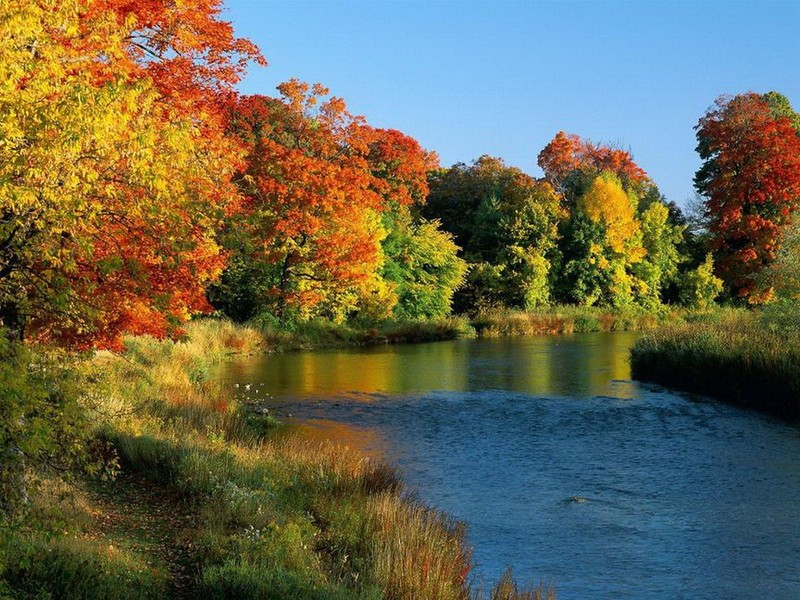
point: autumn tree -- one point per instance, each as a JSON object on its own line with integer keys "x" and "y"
{"x": 114, "y": 172}
{"x": 421, "y": 263}
{"x": 571, "y": 163}
{"x": 750, "y": 179}
{"x": 622, "y": 241}
{"x": 605, "y": 240}
{"x": 330, "y": 226}
{"x": 113, "y": 167}
{"x": 310, "y": 225}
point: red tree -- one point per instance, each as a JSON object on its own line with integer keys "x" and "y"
{"x": 751, "y": 182}
{"x": 567, "y": 153}
{"x": 311, "y": 203}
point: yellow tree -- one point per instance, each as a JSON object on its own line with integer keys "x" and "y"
{"x": 607, "y": 203}
{"x": 112, "y": 175}
{"x": 605, "y": 240}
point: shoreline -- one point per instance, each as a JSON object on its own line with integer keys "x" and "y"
{"x": 738, "y": 361}
{"x": 233, "y": 509}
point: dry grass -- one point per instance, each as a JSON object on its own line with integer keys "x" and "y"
{"x": 416, "y": 552}
{"x": 508, "y": 589}
{"x": 567, "y": 319}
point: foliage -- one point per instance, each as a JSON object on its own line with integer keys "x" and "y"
{"x": 506, "y": 223}
{"x": 750, "y": 179}
{"x": 310, "y": 216}
{"x": 43, "y": 423}
{"x": 109, "y": 183}
{"x": 607, "y": 203}
{"x": 622, "y": 243}
{"x": 327, "y": 228}
{"x": 422, "y": 263}
{"x": 782, "y": 278}
{"x": 605, "y": 242}
{"x": 700, "y": 287}
{"x": 661, "y": 241}
{"x": 780, "y": 282}
{"x": 567, "y": 156}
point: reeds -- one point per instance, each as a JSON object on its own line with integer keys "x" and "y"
{"x": 567, "y": 319}
{"x": 734, "y": 356}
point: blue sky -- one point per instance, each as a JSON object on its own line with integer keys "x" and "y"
{"x": 468, "y": 78}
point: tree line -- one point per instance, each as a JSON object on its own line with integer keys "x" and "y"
{"x": 138, "y": 188}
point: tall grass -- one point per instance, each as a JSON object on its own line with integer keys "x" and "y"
{"x": 568, "y": 319}
{"x": 326, "y": 334}
{"x": 733, "y": 355}
{"x": 508, "y": 589}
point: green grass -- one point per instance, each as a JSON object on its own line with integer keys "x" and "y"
{"x": 57, "y": 552}
{"x": 736, "y": 356}
{"x": 326, "y": 334}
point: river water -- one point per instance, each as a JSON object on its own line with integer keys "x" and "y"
{"x": 560, "y": 464}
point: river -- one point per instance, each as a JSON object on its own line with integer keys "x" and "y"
{"x": 560, "y": 464}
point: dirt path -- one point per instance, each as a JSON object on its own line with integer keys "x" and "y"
{"x": 134, "y": 514}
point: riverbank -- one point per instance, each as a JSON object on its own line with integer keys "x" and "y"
{"x": 736, "y": 357}
{"x": 213, "y": 499}
{"x": 545, "y": 321}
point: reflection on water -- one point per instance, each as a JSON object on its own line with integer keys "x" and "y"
{"x": 366, "y": 440}
{"x": 577, "y": 365}
{"x": 562, "y": 466}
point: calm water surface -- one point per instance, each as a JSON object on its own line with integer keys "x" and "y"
{"x": 560, "y": 464}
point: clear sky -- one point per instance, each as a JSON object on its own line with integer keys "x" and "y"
{"x": 468, "y": 78}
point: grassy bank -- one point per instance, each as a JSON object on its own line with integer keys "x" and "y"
{"x": 214, "y": 500}
{"x": 570, "y": 319}
{"x": 543, "y": 321}
{"x": 736, "y": 356}
{"x": 326, "y": 334}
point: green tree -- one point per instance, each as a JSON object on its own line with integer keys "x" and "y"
{"x": 700, "y": 287}
{"x": 506, "y": 223}
{"x": 661, "y": 240}
{"x": 780, "y": 283}
{"x": 422, "y": 263}
{"x": 44, "y": 423}
{"x": 606, "y": 244}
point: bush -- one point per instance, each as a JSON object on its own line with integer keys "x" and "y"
{"x": 71, "y": 568}
{"x": 42, "y": 421}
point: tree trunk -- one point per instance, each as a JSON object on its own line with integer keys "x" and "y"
{"x": 12, "y": 320}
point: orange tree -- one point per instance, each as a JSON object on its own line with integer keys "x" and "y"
{"x": 329, "y": 225}
{"x": 309, "y": 232}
